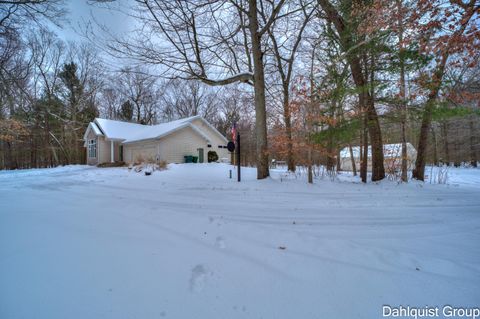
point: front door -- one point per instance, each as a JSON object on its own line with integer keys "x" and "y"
{"x": 200, "y": 155}
{"x": 121, "y": 153}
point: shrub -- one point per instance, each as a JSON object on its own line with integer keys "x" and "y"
{"x": 138, "y": 160}
{"x": 115, "y": 164}
{"x": 162, "y": 165}
{"x": 212, "y": 156}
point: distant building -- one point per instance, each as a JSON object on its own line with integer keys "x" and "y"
{"x": 113, "y": 141}
{"x": 392, "y": 156}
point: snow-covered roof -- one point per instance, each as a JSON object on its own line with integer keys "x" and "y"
{"x": 96, "y": 130}
{"x": 118, "y": 129}
{"x": 132, "y": 132}
{"x": 389, "y": 150}
{"x": 160, "y": 130}
{"x": 92, "y": 127}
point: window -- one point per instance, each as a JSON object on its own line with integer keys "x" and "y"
{"x": 209, "y": 145}
{"x": 92, "y": 148}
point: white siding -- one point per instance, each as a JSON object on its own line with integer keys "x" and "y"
{"x": 214, "y": 138}
{"x": 104, "y": 150}
{"x": 172, "y": 148}
{"x": 186, "y": 141}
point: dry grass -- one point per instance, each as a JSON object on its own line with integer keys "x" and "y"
{"x": 149, "y": 166}
{"x": 114, "y": 164}
{"x": 162, "y": 165}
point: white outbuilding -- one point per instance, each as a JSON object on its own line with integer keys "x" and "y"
{"x": 392, "y": 156}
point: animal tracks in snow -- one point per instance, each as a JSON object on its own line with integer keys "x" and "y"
{"x": 198, "y": 278}
{"x": 220, "y": 242}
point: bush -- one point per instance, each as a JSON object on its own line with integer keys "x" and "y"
{"x": 138, "y": 160}
{"x": 212, "y": 156}
{"x": 162, "y": 165}
{"x": 115, "y": 164}
{"x": 149, "y": 168}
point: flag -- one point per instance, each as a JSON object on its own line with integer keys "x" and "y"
{"x": 234, "y": 132}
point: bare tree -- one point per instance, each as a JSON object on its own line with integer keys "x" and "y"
{"x": 182, "y": 98}
{"x": 15, "y": 18}
{"x": 286, "y": 38}
{"x": 15, "y": 14}
{"x": 142, "y": 91}
{"x": 461, "y": 37}
{"x": 81, "y": 76}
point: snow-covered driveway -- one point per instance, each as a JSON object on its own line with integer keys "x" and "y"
{"x": 83, "y": 242}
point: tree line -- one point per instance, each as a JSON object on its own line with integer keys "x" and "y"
{"x": 303, "y": 79}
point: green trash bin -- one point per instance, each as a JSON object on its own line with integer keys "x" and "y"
{"x": 188, "y": 158}
{"x": 195, "y": 159}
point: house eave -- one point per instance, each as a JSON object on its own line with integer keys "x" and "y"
{"x": 188, "y": 124}
{"x": 87, "y": 132}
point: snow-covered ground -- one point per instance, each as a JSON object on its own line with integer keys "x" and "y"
{"x": 83, "y": 242}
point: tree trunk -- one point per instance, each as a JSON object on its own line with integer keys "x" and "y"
{"x": 310, "y": 173}
{"x": 364, "y": 151}
{"x": 435, "y": 151}
{"x": 330, "y": 143}
{"x": 339, "y": 162}
{"x": 457, "y": 160}
{"x": 33, "y": 153}
{"x": 419, "y": 171}
{"x": 354, "y": 166}
{"x": 404, "y": 154}
{"x": 360, "y": 150}
{"x": 330, "y": 157}
{"x": 403, "y": 104}
{"x": 378, "y": 170}
{"x": 309, "y": 121}
{"x": 437, "y": 78}
{"x": 366, "y": 100}
{"x": 259, "y": 88}
{"x": 473, "y": 153}
{"x": 446, "y": 149}
{"x": 47, "y": 146}
{"x": 8, "y": 156}
{"x": 288, "y": 129}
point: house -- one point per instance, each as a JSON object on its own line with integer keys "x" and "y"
{"x": 392, "y": 157}
{"x": 112, "y": 141}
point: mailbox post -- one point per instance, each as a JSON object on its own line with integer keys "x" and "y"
{"x": 238, "y": 157}
{"x": 231, "y": 146}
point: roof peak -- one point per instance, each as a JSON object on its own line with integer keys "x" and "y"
{"x": 190, "y": 118}
{"x": 128, "y": 132}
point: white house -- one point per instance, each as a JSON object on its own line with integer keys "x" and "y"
{"x": 392, "y": 157}
{"x": 112, "y": 141}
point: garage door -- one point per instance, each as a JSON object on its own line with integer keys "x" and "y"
{"x": 146, "y": 154}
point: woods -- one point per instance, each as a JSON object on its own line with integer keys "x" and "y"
{"x": 302, "y": 79}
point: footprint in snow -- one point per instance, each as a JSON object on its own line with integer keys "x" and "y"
{"x": 220, "y": 242}
{"x": 198, "y": 278}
